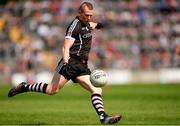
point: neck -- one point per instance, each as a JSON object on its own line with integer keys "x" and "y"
{"x": 84, "y": 22}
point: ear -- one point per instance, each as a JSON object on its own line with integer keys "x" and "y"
{"x": 80, "y": 11}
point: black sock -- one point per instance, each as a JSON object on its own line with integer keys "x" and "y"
{"x": 37, "y": 87}
{"x": 98, "y": 105}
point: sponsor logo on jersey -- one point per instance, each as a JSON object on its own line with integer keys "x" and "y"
{"x": 87, "y": 35}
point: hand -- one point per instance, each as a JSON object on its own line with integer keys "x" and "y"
{"x": 66, "y": 67}
{"x": 92, "y": 25}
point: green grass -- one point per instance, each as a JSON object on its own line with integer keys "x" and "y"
{"x": 138, "y": 104}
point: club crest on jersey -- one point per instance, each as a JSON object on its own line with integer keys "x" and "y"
{"x": 85, "y": 28}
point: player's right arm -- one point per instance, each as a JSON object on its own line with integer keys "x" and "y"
{"x": 71, "y": 34}
{"x": 66, "y": 49}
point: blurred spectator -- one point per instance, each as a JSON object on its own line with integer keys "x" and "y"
{"x": 140, "y": 34}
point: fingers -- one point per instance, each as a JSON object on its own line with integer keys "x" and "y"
{"x": 92, "y": 25}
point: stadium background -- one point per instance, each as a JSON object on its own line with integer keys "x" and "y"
{"x": 141, "y": 38}
{"x": 139, "y": 47}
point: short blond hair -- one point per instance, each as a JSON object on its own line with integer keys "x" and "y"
{"x": 85, "y": 4}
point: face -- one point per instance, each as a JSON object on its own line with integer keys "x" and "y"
{"x": 86, "y": 15}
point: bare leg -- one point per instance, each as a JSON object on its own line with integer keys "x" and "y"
{"x": 84, "y": 81}
{"x": 57, "y": 83}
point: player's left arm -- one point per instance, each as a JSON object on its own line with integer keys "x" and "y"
{"x": 94, "y": 25}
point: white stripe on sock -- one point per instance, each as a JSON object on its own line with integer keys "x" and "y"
{"x": 30, "y": 87}
{"x": 41, "y": 88}
{"x": 97, "y": 101}
{"x": 99, "y": 105}
{"x": 33, "y": 87}
{"x": 96, "y": 97}
{"x": 100, "y": 110}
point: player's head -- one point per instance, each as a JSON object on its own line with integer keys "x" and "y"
{"x": 86, "y": 11}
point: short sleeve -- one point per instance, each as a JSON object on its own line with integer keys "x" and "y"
{"x": 72, "y": 30}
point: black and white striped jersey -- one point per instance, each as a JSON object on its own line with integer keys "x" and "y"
{"x": 82, "y": 37}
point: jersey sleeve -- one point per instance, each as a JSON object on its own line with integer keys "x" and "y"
{"x": 72, "y": 30}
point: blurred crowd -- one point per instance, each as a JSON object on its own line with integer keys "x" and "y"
{"x": 139, "y": 34}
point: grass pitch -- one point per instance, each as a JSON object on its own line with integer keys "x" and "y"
{"x": 138, "y": 104}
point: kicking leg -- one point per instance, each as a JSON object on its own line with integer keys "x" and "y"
{"x": 97, "y": 100}
{"x": 58, "y": 82}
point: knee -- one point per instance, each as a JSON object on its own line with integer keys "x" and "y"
{"x": 52, "y": 90}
